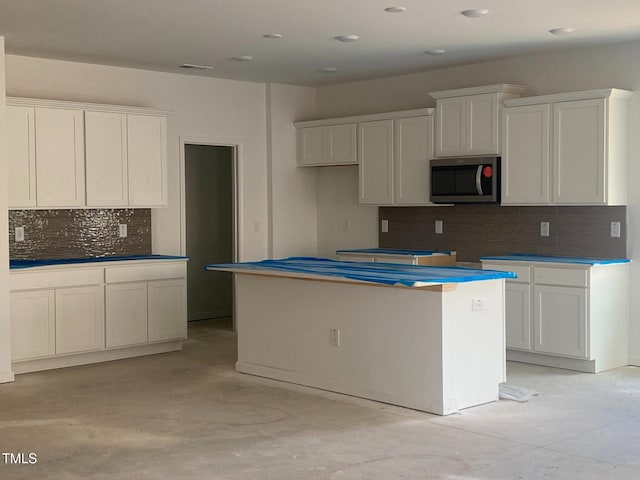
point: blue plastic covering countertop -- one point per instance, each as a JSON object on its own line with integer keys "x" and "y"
{"x": 381, "y": 273}
{"x": 15, "y": 264}
{"x": 524, "y": 257}
{"x": 394, "y": 251}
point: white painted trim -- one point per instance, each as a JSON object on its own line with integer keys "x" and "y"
{"x": 462, "y": 92}
{"x": 96, "y": 107}
{"x": 635, "y": 361}
{"x": 6, "y": 377}
{"x": 236, "y": 189}
{"x": 569, "y": 96}
{"x": 50, "y": 363}
{"x": 588, "y": 366}
{"x": 420, "y": 112}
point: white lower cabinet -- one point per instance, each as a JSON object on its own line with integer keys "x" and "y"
{"x": 79, "y": 319}
{"x": 126, "y": 314}
{"x": 571, "y": 316}
{"x": 70, "y": 315}
{"x": 518, "y": 321}
{"x": 167, "y": 309}
{"x": 33, "y": 324}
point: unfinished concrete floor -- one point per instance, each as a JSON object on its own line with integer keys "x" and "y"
{"x": 189, "y": 415}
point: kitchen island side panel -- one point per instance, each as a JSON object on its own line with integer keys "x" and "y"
{"x": 395, "y": 345}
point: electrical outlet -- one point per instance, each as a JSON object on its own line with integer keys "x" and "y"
{"x": 122, "y": 230}
{"x": 438, "y": 227}
{"x": 346, "y": 225}
{"x": 477, "y": 304}
{"x": 384, "y": 226}
{"x": 615, "y": 229}
{"x": 334, "y": 337}
{"x": 544, "y": 229}
{"x": 19, "y": 234}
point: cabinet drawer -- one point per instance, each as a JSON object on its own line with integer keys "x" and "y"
{"x": 522, "y": 271}
{"x": 561, "y": 276}
{"x": 56, "y": 278}
{"x": 140, "y": 273}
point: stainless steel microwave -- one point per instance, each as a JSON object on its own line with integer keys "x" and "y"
{"x": 465, "y": 180}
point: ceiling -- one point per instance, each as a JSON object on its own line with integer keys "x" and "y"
{"x": 162, "y": 34}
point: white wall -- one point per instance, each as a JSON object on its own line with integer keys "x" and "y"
{"x": 201, "y": 107}
{"x": 562, "y": 71}
{"x": 292, "y": 209}
{"x": 5, "y": 334}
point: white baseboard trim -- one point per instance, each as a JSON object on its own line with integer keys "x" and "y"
{"x": 95, "y": 357}
{"x": 6, "y": 377}
{"x": 634, "y": 360}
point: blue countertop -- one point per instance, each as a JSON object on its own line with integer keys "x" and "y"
{"x": 380, "y": 273}
{"x": 523, "y": 257}
{"x": 16, "y": 264}
{"x": 394, "y": 251}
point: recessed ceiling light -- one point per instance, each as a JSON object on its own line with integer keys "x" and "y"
{"x": 191, "y": 66}
{"x": 395, "y": 9}
{"x": 436, "y": 51}
{"x": 475, "y": 12}
{"x": 561, "y": 31}
{"x": 347, "y": 38}
{"x": 243, "y": 58}
{"x": 273, "y": 35}
{"x": 329, "y": 70}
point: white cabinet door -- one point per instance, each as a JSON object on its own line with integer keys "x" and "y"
{"x": 147, "y": 160}
{"x": 579, "y": 152}
{"x": 21, "y": 156}
{"x": 106, "y": 158}
{"x": 525, "y": 155}
{"x": 312, "y": 146}
{"x": 375, "y": 157}
{"x": 342, "y": 144}
{"x": 413, "y": 144}
{"x": 32, "y": 324}
{"x": 560, "y": 321}
{"x": 518, "y": 315}
{"x": 79, "y": 319}
{"x": 483, "y": 122}
{"x": 167, "y": 310}
{"x": 451, "y": 126}
{"x": 59, "y": 157}
{"x": 126, "y": 314}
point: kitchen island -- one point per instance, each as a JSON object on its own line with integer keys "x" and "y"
{"x": 428, "y": 338}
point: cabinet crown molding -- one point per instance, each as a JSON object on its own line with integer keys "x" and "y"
{"x": 613, "y": 93}
{"x": 95, "y": 107}
{"x": 419, "y": 112}
{"x": 462, "y": 92}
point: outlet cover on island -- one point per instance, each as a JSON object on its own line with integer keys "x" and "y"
{"x": 122, "y": 230}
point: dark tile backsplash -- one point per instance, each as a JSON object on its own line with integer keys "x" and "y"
{"x": 51, "y": 234}
{"x": 474, "y": 231}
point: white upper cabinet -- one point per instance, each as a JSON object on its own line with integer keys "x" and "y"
{"x": 394, "y": 160}
{"x": 147, "y": 159}
{"x": 327, "y": 145}
{"x": 468, "y": 119}
{"x": 21, "y": 155}
{"x": 526, "y": 154}
{"x": 413, "y": 149}
{"x": 375, "y": 155}
{"x": 106, "y": 158}
{"x": 566, "y": 149}
{"x": 59, "y": 157}
{"x": 68, "y": 155}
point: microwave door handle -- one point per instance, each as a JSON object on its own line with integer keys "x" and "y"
{"x": 479, "y": 180}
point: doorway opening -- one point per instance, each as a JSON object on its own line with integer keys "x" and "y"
{"x": 210, "y": 174}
